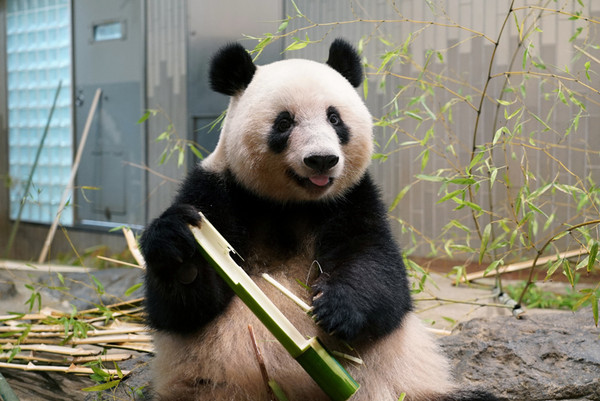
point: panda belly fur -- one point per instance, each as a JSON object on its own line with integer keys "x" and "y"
{"x": 219, "y": 362}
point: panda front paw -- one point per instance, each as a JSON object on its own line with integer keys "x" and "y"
{"x": 169, "y": 247}
{"x": 335, "y": 310}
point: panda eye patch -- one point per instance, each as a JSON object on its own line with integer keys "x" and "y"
{"x": 280, "y": 132}
{"x": 343, "y": 132}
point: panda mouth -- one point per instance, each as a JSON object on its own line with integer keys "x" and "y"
{"x": 313, "y": 183}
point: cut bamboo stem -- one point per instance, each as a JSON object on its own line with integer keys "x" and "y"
{"x": 69, "y": 186}
{"x": 133, "y": 247}
{"x": 523, "y": 265}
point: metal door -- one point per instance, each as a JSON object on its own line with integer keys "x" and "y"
{"x": 109, "y": 54}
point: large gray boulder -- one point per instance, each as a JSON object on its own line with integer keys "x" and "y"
{"x": 540, "y": 357}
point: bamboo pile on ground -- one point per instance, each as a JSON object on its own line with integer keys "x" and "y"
{"x": 55, "y": 341}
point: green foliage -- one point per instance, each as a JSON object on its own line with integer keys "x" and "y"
{"x": 174, "y": 145}
{"x": 105, "y": 379}
{"x": 500, "y": 161}
{"x": 569, "y": 299}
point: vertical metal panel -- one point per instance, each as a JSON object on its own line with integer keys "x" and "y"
{"x": 166, "y": 27}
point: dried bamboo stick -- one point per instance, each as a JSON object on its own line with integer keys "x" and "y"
{"x": 74, "y": 168}
{"x": 118, "y": 262}
{"x": 31, "y": 357}
{"x": 112, "y": 306}
{"x": 112, "y": 339}
{"x": 133, "y": 247}
{"x": 139, "y": 347}
{"x": 61, "y": 369}
{"x": 53, "y": 349}
{"x": 524, "y": 265}
{"x": 42, "y": 267}
{"x": 51, "y": 330}
{"x": 103, "y": 358}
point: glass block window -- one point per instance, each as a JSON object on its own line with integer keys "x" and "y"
{"x": 38, "y": 35}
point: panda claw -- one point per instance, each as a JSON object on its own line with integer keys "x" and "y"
{"x": 319, "y": 295}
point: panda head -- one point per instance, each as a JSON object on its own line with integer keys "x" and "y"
{"x": 295, "y": 130}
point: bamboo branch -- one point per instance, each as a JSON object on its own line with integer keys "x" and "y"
{"x": 523, "y": 265}
{"x": 261, "y": 364}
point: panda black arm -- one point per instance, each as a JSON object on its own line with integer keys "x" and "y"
{"x": 363, "y": 292}
{"x": 183, "y": 292}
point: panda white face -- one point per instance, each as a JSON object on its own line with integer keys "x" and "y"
{"x": 299, "y": 131}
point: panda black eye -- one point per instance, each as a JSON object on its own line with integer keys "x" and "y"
{"x": 284, "y": 125}
{"x": 283, "y": 122}
{"x": 334, "y": 119}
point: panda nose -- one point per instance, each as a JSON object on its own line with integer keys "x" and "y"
{"x": 321, "y": 163}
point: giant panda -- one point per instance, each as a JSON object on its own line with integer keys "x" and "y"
{"x": 288, "y": 187}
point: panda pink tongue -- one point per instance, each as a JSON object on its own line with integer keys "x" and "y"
{"x": 319, "y": 180}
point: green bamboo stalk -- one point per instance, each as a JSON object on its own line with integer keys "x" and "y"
{"x": 15, "y": 227}
{"x": 6, "y": 392}
{"x": 309, "y": 353}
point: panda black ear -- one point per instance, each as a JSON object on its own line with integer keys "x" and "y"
{"x": 345, "y": 59}
{"x": 231, "y": 69}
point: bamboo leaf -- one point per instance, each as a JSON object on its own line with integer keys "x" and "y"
{"x": 568, "y": 272}
{"x": 144, "y": 117}
{"x": 432, "y": 178}
{"x": 493, "y": 266}
{"x": 283, "y": 26}
{"x": 462, "y": 181}
{"x": 424, "y": 159}
{"x": 552, "y": 269}
{"x": 103, "y": 386}
{"x": 132, "y": 289}
{"x": 195, "y": 151}
{"x": 450, "y": 195}
{"x": 592, "y": 256}
{"x": 413, "y": 115}
{"x": 399, "y": 197}
{"x": 487, "y": 231}
{"x": 297, "y": 45}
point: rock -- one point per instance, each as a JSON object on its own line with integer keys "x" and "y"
{"x": 7, "y": 290}
{"x": 46, "y": 386}
{"x": 114, "y": 283}
{"x": 541, "y": 357}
